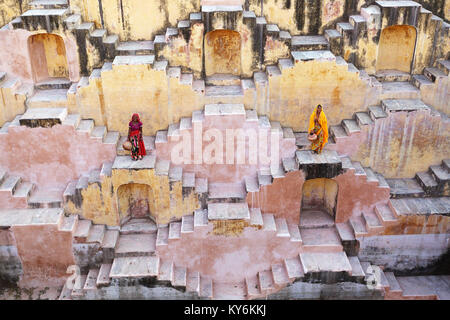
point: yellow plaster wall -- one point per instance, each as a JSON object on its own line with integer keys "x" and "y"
{"x": 89, "y": 102}
{"x": 222, "y": 52}
{"x": 396, "y": 48}
{"x": 101, "y": 201}
{"x": 320, "y": 192}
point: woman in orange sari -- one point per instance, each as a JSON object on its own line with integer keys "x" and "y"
{"x": 318, "y": 126}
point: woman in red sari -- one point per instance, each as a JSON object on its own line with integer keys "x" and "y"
{"x": 135, "y": 137}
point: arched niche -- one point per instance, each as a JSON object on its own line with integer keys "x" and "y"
{"x": 396, "y": 48}
{"x": 135, "y": 201}
{"x": 48, "y": 57}
{"x": 222, "y": 52}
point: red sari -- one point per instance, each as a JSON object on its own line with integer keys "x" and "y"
{"x": 135, "y": 136}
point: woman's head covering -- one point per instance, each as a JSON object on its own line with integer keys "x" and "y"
{"x": 322, "y": 122}
{"x": 135, "y": 115}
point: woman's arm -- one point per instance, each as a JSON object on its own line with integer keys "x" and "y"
{"x": 129, "y": 129}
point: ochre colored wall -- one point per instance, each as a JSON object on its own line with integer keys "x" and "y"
{"x": 135, "y": 19}
{"x": 222, "y": 52}
{"x": 48, "y": 56}
{"x": 320, "y": 193}
{"x": 135, "y": 200}
{"x": 396, "y": 48}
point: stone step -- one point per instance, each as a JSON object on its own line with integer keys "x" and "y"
{"x": 337, "y": 132}
{"x": 294, "y": 232}
{"x": 161, "y": 167}
{"x": 133, "y": 245}
{"x": 43, "y": 117}
{"x": 357, "y": 269}
{"x": 252, "y": 286}
{"x": 99, "y": 133}
{"x": 188, "y": 179}
{"x": 179, "y": 277}
{"x": 320, "y": 240}
{"x": 440, "y": 174}
{"x": 421, "y": 206}
{"x": 350, "y": 126}
{"x": 223, "y": 91}
{"x": 385, "y": 214}
{"x": 444, "y": 66}
{"x": 332, "y": 34}
{"x": 78, "y": 288}
{"x": 251, "y": 184}
{"x": 279, "y": 274}
{"x": 256, "y": 217}
{"x": 174, "y": 230}
{"x": 282, "y": 228}
{"x": 226, "y": 191}
{"x": 138, "y": 226}
{"x": 54, "y": 97}
{"x": 110, "y": 239}
{"x": 228, "y": 211}
{"x": 106, "y": 170}
{"x": 135, "y": 267}
{"x": 166, "y": 269}
{"x": 96, "y": 234}
{"x": 91, "y": 280}
{"x": 394, "y": 286}
{"x": 187, "y": 224}
{"x": 205, "y": 287}
{"x": 382, "y": 183}
{"x": 363, "y": 119}
{"x": 371, "y": 176}
{"x": 359, "y": 170}
{"x": 446, "y": 164}
{"x": 376, "y": 112}
{"x": 162, "y": 236}
{"x": 94, "y": 176}
{"x": 82, "y": 230}
{"x": 135, "y": 48}
{"x": 201, "y": 185}
{"x": 392, "y": 76}
{"x": 420, "y": 81}
{"x": 45, "y": 199}
{"x": 372, "y": 222}
{"x": 192, "y": 281}
{"x": 269, "y": 222}
{"x": 317, "y": 55}
{"x": 265, "y": 280}
{"x": 86, "y": 126}
{"x": 433, "y": 74}
{"x": 294, "y": 268}
{"x": 420, "y": 287}
{"x": 103, "y": 278}
{"x": 304, "y": 43}
{"x": 223, "y": 79}
{"x": 403, "y": 188}
{"x": 399, "y": 90}
{"x": 24, "y": 189}
{"x": 345, "y": 231}
{"x": 325, "y": 262}
{"x": 427, "y": 182}
{"x": 395, "y": 105}
{"x": 264, "y": 178}
{"x": 53, "y": 83}
{"x": 358, "y": 225}
{"x": 200, "y": 218}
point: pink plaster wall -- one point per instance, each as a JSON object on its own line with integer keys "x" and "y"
{"x": 223, "y": 172}
{"x": 356, "y": 194}
{"x": 283, "y": 197}
{"x": 15, "y": 58}
{"x": 231, "y": 258}
{"x": 45, "y": 253}
{"x": 51, "y": 157}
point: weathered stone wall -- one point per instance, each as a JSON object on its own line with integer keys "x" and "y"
{"x": 402, "y": 144}
{"x": 130, "y": 18}
{"x": 404, "y": 252}
{"x": 10, "y": 264}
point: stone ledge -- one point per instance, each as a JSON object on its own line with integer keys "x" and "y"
{"x": 125, "y": 162}
{"x": 22, "y": 217}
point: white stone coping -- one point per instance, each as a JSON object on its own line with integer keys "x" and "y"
{"x": 318, "y": 55}
{"x": 22, "y": 217}
{"x": 134, "y": 60}
{"x": 221, "y": 8}
{"x": 224, "y": 109}
{"x": 125, "y": 162}
{"x": 45, "y": 12}
{"x": 45, "y": 113}
{"x": 391, "y": 4}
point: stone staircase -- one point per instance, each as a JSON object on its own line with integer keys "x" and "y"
{"x": 137, "y": 256}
